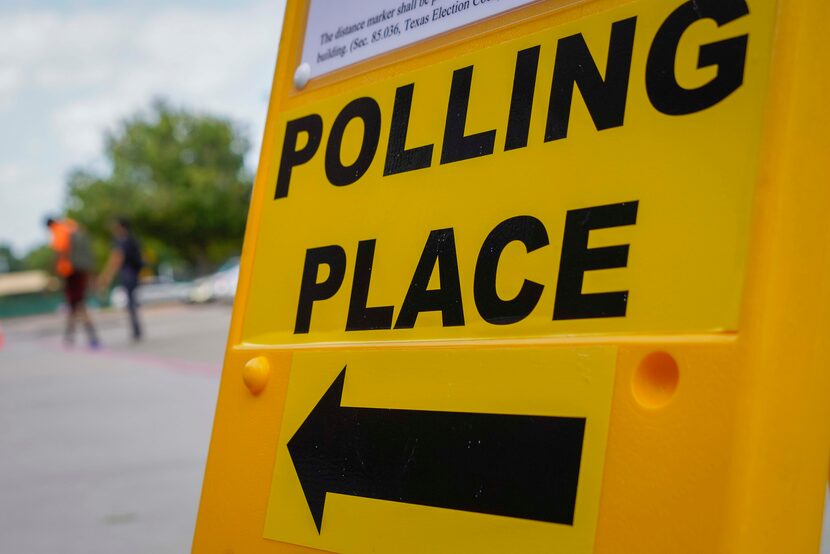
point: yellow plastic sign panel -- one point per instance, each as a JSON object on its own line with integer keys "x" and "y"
{"x": 591, "y": 225}
{"x": 591, "y": 178}
{"x": 420, "y": 447}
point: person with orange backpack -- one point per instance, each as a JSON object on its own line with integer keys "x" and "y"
{"x": 74, "y": 261}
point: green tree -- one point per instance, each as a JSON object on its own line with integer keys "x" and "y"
{"x": 179, "y": 177}
{"x": 40, "y": 257}
{"x": 8, "y": 261}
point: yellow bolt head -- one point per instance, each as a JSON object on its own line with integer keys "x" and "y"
{"x": 255, "y": 374}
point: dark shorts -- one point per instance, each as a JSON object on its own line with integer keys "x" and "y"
{"x": 75, "y": 288}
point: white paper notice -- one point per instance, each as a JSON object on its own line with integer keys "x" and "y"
{"x": 343, "y": 32}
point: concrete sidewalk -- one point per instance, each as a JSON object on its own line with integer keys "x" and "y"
{"x": 103, "y": 451}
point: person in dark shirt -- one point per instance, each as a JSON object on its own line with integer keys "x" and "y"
{"x": 125, "y": 260}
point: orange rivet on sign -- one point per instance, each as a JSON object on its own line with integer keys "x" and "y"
{"x": 256, "y": 373}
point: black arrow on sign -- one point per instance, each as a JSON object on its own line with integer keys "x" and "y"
{"x": 508, "y": 465}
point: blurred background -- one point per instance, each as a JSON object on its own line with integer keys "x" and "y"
{"x": 152, "y": 112}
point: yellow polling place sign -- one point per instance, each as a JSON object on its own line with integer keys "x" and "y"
{"x": 525, "y": 277}
{"x": 570, "y": 181}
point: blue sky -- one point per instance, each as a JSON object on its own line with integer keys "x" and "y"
{"x": 70, "y": 69}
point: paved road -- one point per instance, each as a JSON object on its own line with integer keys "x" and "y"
{"x": 825, "y": 542}
{"x": 103, "y": 451}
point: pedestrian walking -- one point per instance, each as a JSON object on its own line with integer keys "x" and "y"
{"x": 125, "y": 260}
{"x": 73, "y": 263}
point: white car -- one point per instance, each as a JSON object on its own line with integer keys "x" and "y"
{"x": 219, "y": 286}
{"x": 153, "y": 290}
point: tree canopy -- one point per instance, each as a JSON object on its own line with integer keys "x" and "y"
{"x": 8, "y": 260}
{"x": 178, "y": 176}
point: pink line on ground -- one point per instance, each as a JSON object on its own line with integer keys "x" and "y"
{"x": 170, "y": 364}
